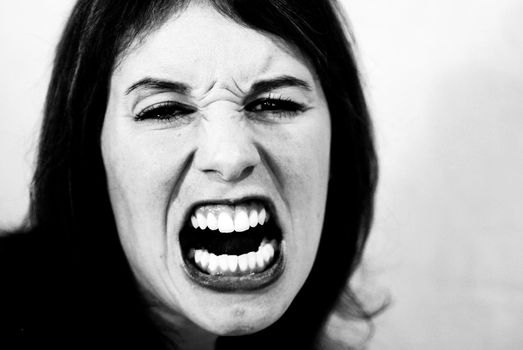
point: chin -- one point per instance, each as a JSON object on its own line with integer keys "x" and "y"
{"x": 242, "y": 319}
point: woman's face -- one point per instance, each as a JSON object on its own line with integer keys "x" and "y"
{"x": 216, "y": 146}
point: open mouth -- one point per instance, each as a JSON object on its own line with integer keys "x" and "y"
{"x": 233, "y": 246}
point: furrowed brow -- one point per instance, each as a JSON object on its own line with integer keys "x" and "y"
{"x": 159, "y": 84}
{"x": 263, "y": 86}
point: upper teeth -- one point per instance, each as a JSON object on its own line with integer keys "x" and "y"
{"x": 226, "y": 218}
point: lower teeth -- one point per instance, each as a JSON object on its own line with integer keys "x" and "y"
{"x": 234, "y": 265}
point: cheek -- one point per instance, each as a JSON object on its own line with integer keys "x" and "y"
{"x": 142, "y": 173}
{"x": 141, "y": 170}
{"x": 303, "y": 162}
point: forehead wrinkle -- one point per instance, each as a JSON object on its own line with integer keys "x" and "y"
{"x": 220, "y": 92}
{"x": 211, "y": 86}
{"x": 238, "y": 87}
{"x": 246, "y": 79}
{"x": 227, "y": 88}
{"x": 228, "y": 84}
{"x": 267, "y": 64}
{"x": 234, "y": 77}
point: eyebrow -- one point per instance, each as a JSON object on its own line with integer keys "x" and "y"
{"x": 262, "y": 86}
{"x": 158, "y": 84}
{"x": 257, "y": 88}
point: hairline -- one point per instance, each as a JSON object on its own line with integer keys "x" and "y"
{"x": 130, "y": 43}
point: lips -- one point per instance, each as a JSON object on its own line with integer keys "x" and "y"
{"x": 233, "y": 246}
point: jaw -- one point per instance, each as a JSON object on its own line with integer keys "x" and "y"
{"x": 219, "y": 303}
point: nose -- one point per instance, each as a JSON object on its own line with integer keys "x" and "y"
{"x": 226, "y": 149}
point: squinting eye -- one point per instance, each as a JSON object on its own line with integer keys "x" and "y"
{"x": 278, "y": 107}
{"x": 165, "y": 111}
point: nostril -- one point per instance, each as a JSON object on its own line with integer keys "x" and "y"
{"x": 231, "y": 174}
{"x": 246, "y": 172}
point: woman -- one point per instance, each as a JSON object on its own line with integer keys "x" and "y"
{"x": 205, "y": 179}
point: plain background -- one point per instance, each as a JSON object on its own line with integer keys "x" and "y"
{"x": 445, "y": 84}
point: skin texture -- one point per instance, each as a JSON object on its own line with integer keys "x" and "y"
{"x": 156, "y": 169}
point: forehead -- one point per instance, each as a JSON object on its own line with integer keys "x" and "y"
{"x": 200, "y": 44}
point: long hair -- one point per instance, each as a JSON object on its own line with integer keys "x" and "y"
{"x": 69, "y": 199}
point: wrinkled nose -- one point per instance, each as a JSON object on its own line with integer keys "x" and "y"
{"x": 226, "y": 149}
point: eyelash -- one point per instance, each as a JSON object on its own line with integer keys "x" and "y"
{"x": 277, "y": 106}
{"x": 165, "y": 111}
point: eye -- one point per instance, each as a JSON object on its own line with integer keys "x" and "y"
{"x": 165, "y": 111}
{"x": 276, "y": 107}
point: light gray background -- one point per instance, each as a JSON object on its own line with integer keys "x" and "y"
{"x": 445, "y": 84}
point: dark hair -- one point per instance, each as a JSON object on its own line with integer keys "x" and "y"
{"x": 70, "y": 202}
